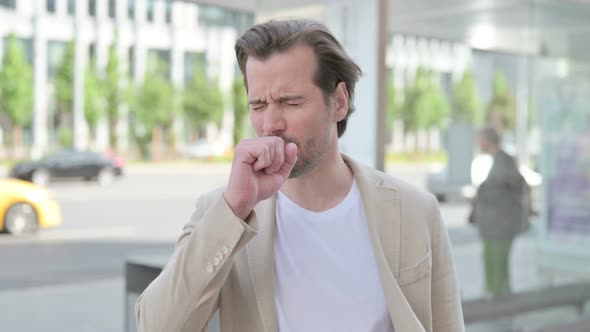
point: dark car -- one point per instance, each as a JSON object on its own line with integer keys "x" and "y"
{"x": 70, "y": 164}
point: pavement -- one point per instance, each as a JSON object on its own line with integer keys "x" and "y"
{"x": 97, "y": 303}
{"x": 71, "y": 278}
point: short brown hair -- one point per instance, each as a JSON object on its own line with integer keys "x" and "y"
{"x": 334, "y": 65}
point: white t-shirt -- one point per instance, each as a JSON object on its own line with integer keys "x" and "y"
{"x": 326, "y": 274}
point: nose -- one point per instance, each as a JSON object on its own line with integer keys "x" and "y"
{"x": 274, "y": 121}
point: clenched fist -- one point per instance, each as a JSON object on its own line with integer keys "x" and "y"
{"x": 260, "y": 168}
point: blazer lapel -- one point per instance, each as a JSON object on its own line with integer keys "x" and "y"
{"x": 382, "y": 209}
{"x": 260, "y": 252}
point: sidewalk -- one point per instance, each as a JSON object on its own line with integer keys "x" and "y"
{"x": 87, "y": 307}
{"x": 99, "y": 306}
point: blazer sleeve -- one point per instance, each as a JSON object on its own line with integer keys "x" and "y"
{"x": 186, "y": 293}
{"x": 447, "y": 314}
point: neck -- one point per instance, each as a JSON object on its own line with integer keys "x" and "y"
{"x": 323, "y": 187}
{"x": 494, "y": 150}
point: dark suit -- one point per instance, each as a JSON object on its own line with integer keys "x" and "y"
{"x": 499, "y": 214}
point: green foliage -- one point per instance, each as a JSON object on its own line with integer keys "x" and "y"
{"x": 114, "y": 93}
{"x": 425, "y": 105}
{"x": 502, "y": 107}
{"x": 412, "y": 95}
{"x": 394, "y": 109}
{"x": 466, "y": 100}
{"x": 93, "y": 97}
{"x": 16, "y": 81}
{"x": 432, "y": 107}
{"x": 64, "y": 83}
{"x": 152, "y": 105}
{"x": 65, "y": 136}
{"x": 240, "y": 101}
{"x": 203, "y": 100}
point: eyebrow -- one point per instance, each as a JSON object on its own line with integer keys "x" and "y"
{"x": 284, "y": 99}
{"x": 256, "y": 101}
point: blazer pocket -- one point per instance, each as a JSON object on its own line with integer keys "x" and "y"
{"x": 418, "y": 271}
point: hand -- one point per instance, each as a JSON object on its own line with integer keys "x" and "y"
{"x": 260, "y": 168}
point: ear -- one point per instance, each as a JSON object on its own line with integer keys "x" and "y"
{"x": 340, "y": 101}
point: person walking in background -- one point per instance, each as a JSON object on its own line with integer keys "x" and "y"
{"x": 498, "y": 212}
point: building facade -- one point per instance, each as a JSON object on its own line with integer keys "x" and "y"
{"x": 175, "y": 32}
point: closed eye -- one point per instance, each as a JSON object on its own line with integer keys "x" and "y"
{"x": 258, "y": 107}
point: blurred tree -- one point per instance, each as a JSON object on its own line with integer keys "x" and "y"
{"x": 415, "y": 106}
{"x": 65, "y": 136}
{"x": 466, "y": 101}
{"x": 94, "y": 104}
{"x": 64, "y": 89}
{"x": 433, "y": 108}
{"x": 176, "y": 112}
{"x": 240, "y": 101}
{"x": 203, "y": 100}
{"x": 16, "y": 93}
{"x": 394, "y": 109}
{"x": 502, "y": 107}
{"x": 114, "y": 94}
{"x": 152, "y": 107}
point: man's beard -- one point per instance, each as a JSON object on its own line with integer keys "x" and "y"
{"x": 310, "y": 154}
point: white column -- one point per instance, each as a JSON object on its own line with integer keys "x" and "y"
{"x": 159, "y": 13}
{"x": 80, "y": 47}
{"x": 102, "y": 12}
{"x": 141, "y": 11}
{"x": 123, "y": 123}
{"x": 226, "y": 77}
{"x": 140, "y": 50}
{"x": 361, "y": 27}
{"x": 177, "y": 77}
{"x": 103, "y": 37}
{"x": 40, "y": 122}
{"x": 26, "y": 8}
{"x": 61, "y": 7}
{"x": 121, "y": 11}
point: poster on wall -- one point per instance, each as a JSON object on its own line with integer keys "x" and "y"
{"x": 565, "y": 127}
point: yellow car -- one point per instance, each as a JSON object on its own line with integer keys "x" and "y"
{"x": 24, "y": 207}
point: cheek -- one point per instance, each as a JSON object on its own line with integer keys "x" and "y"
{"x": 257, "y": 122}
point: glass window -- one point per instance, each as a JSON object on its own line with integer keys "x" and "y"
{"x": 71, "y": 7}
{"x": 131, "y": 61}
{"x": 91, "y": 51}
{"x": 112, "y": 9}
{"x": 150, "y": 10}
{"x": 168, "y": 11}
{"x": 161, "y": 59}
{"x": 212, "y": 16}
{"x": 131, "y": 9}
{"x": 191, "y": 61}
{"x": 55, "y": 54}
{"x": 26, "y": 44}
{"x": 50, "y": 6}
{"x": 92, "y": 8}
{"x": 217, "y": 16}
{"x": 8, "y": 4}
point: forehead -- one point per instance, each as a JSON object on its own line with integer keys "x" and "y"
{"x": 291, "y": 69}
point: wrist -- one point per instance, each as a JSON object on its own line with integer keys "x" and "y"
{"x": 240, "y": 208}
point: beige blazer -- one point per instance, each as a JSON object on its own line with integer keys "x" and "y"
{"x": 221, "y": 262}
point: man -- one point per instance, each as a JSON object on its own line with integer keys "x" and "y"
{"x": 499, "y": 210}
{"x": 304, "y": 238}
